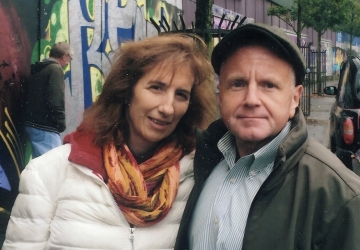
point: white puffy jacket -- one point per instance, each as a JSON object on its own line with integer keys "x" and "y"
{"x": 63, "y": 205}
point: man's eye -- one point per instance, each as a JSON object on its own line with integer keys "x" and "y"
{"x": 269, "y": 85}
{"x": 238, "y": 84}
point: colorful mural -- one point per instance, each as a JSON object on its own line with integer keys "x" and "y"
{"x": 326, "y": 45}
{"x": 157, "y": 9}
{"x": 94, "y": 28}
{"x": 342, "y": 41}
{"x": 339, "y": 55}
{"x": 15, "y": 51}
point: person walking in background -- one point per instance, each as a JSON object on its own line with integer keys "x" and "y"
{"x": 44, "y": 115}
{"x": 261, "y": 182}
{"x": 122, "y": 179}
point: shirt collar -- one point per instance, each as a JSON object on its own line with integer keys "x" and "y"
{"x": 256, "y": 160}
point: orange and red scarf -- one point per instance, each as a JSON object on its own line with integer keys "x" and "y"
{"x": 144, "y": 192}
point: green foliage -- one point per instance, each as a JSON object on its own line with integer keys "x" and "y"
{"x": 351, "y": 23}
{"x": 319, "y": 15}
{"x": 281, "y": 12}
{"x": 322, "y": 15}
{"x": 292, "y": 16}
{"x": 285, "y": 14}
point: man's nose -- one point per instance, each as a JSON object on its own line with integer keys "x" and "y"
{"x": 252, "y": 95}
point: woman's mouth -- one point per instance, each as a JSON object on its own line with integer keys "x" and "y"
{"x": 159, "y": 122}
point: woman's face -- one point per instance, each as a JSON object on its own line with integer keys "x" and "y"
{"x": 160, "y": 98}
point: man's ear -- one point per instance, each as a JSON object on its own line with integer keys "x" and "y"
{"x": 219, "y": 95}
{"x": 298, "y": 92}
{"x": 295, "y": 102}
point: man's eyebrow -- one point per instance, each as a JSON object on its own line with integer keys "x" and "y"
{"x": 236, "y": 78}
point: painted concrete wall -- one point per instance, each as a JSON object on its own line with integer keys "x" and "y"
{"x": 15, "y": 52}
{"x": 94, "y": 28}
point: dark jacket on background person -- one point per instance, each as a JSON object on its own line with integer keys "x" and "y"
{"x": 309, "y": 201}
{"x": 45, "y": 108}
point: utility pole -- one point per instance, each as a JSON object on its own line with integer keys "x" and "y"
{"x": 203, "y": 19}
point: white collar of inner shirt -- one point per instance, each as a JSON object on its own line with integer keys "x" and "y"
{"x": 258, "y": 159}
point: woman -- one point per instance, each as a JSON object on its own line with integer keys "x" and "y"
{"x": 122, "y": 179}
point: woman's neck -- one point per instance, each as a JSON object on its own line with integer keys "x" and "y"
{"x": 142, "y": 154}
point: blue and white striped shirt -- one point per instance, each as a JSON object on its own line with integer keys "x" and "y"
{"x": 221, "y": 212}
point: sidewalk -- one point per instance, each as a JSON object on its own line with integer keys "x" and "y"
{"x": 318, "y": 122}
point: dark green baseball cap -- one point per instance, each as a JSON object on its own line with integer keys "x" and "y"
{"x": 273, "y": 38}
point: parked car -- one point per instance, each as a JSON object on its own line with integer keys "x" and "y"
{"x": 345, "y": 114}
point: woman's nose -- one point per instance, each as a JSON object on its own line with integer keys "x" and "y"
{"x": 166, "y": 106}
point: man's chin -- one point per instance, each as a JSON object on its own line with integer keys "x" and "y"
{"x": 250, "y": 135}
{"x": 253, "y": 137}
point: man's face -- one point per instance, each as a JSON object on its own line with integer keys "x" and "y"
{"x": 65, "y": 60}
{"x": 257, "y": 95}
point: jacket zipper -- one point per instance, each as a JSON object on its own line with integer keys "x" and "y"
{"x": 132, "y": 236}
{"x": 101, "y": 182}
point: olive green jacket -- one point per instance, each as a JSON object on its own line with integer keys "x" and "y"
{"x": 45, "y": 107}
{"x": 309, "y": 201}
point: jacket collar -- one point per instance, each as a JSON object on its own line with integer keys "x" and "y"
{"x": 295, "y": 138}
{"x": 85, "y": 152}
{"x": 290, "y": 150}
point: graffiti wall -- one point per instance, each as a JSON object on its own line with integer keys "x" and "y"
{"x": 339, "y": 55}
{"x": 94, "y": 28}
{"x": 343, "y": 42}
{"x": 15, "y": 54}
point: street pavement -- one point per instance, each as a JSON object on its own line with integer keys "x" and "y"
{"x": 318, "y": 122}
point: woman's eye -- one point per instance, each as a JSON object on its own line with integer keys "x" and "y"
{"x": 183, "y": 95}
{"x": 155, "y": 87}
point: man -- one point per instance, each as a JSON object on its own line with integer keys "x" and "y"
{"x": 260, "y": 181}
{"x": 45, "y": 109}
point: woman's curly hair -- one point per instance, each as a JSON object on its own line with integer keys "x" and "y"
{"x": 107, "y": 116}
